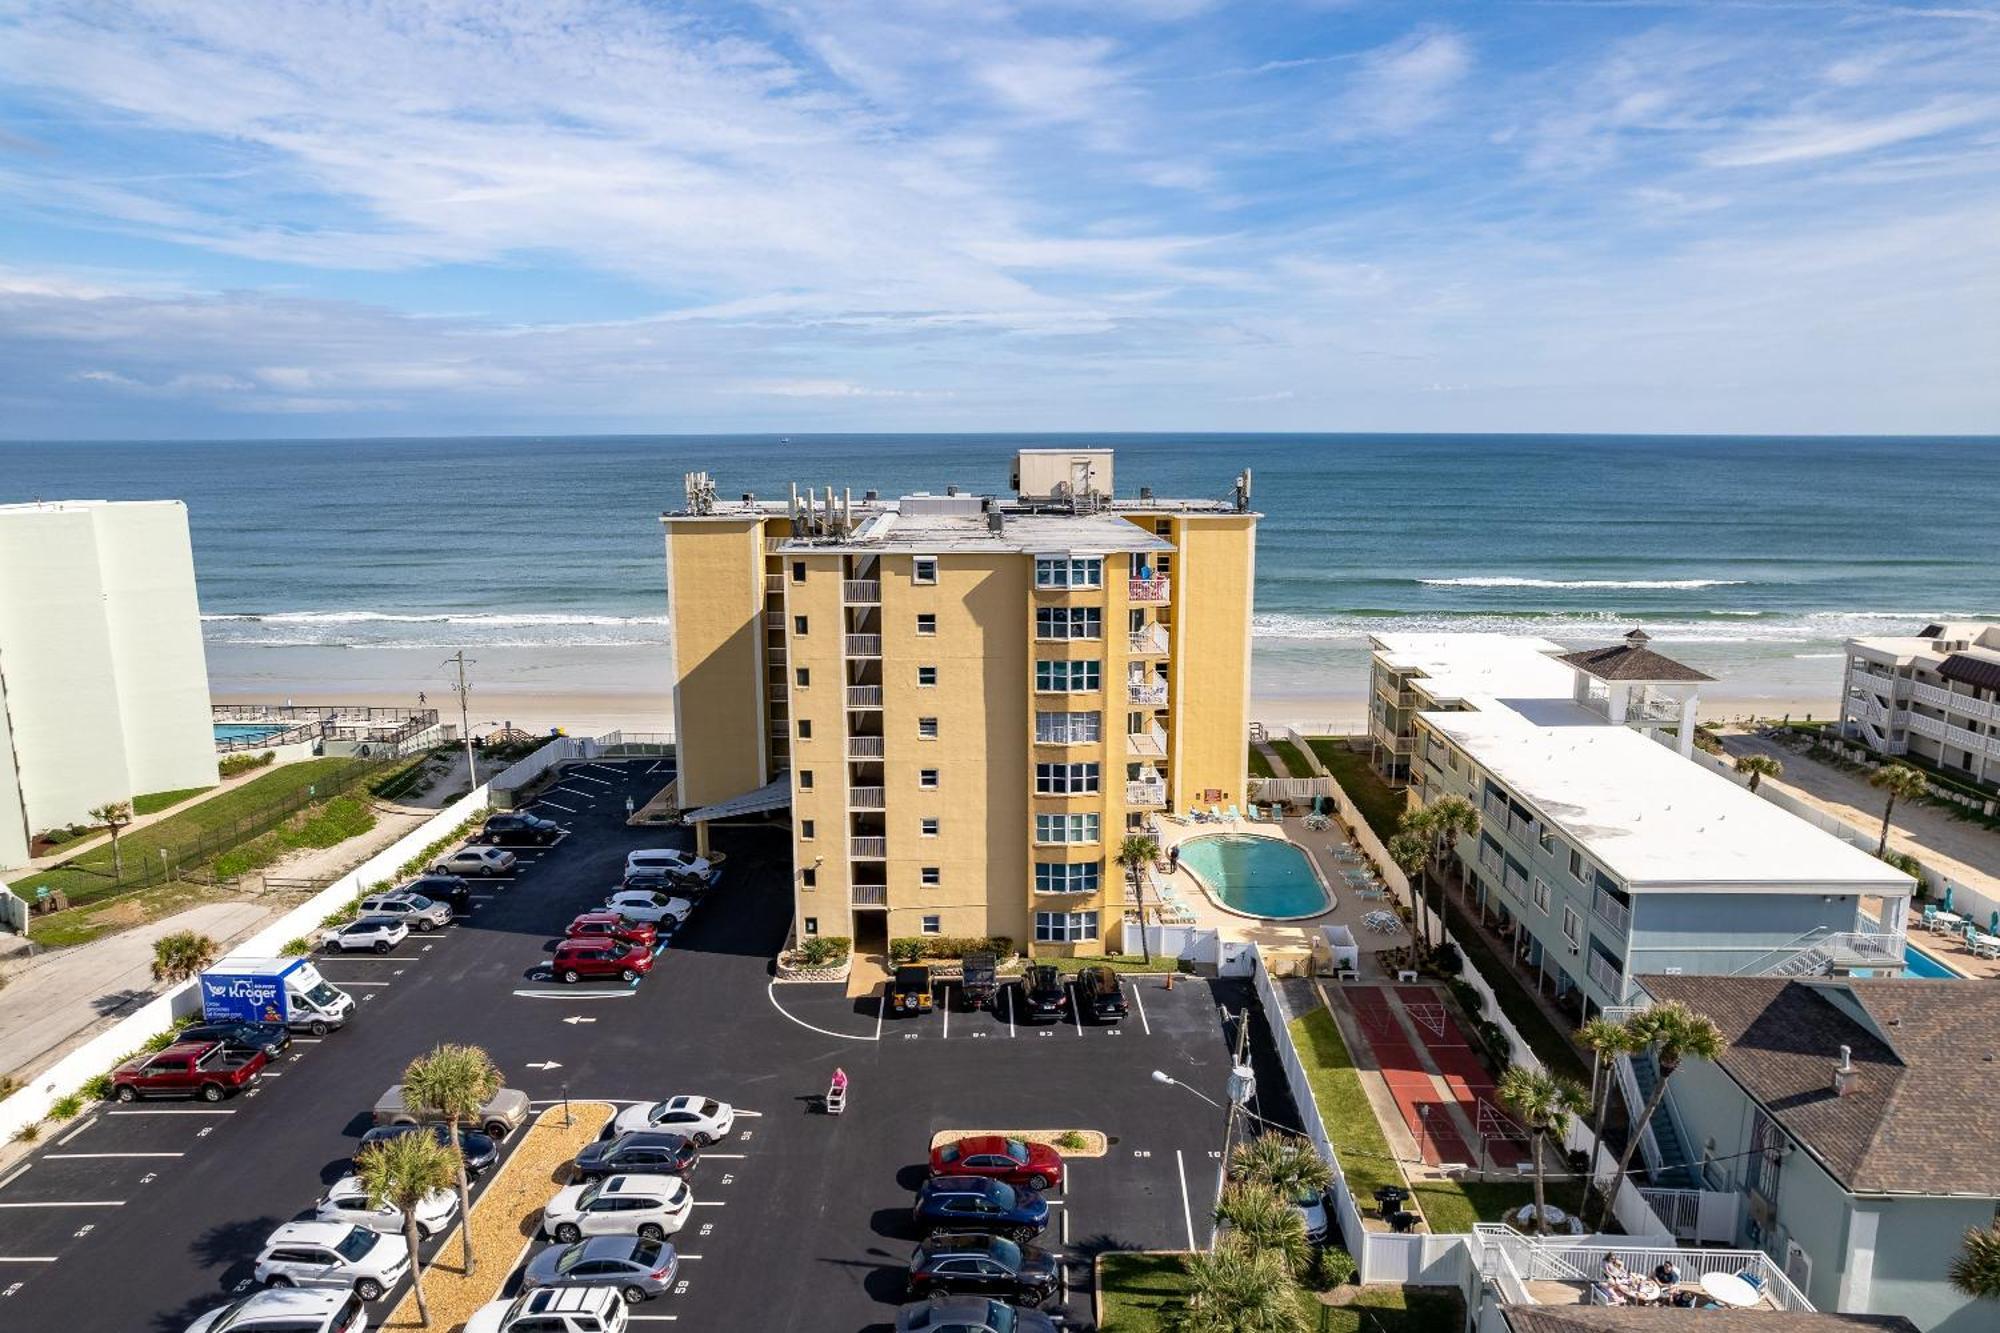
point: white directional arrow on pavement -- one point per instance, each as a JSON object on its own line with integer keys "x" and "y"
{"x": 578, "y": 1018}
{"x": 544, "y": 1064}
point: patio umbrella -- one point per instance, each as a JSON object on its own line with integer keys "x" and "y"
{"x": 1993, "y": 923}
{"x": 1947, "y": 897}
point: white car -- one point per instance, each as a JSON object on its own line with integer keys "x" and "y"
{"x": 379, "y": 933}
{"x": 665, "y": 860}
{"x": 595, "y": 1309}
{"x": 476, "y": 861}
{"x": 333, "y": 1254}
{"x": 651, "y": 1207}
{"x": 647, "y": 905}
{"x": 1312, "y": 1211}
{"x": 702, "y": 1119}
{"x": 286, "y": 1312}
{"x": 348, "y": 1202}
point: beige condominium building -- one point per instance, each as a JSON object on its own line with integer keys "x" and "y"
{"x": 968, "y": 700}
{"x": 1934, "y": 694}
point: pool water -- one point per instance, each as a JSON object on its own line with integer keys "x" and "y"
{"x": 1916, "y": 963}
{"x": 1257, "y": 876}
{"x": 249, "y": 731}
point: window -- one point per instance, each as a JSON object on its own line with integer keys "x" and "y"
{"x": 927, "y": 827}
{"x": 1065, "y": 779}
{"x": 927, "y": 728}
{"x": 798, "y": 571}
{"x": 806, "y": 829}
{"x": 926, "y": 675}
{"x": 803, "y": 675}
{"x": 805, "y": 729}
{"x": 1066, "y": 572}
{"x": 799, "y": 626}
{"x": 1058, "y": 927}
{"x": 1069, "y": 622}
{"x": 1571, "y": 925}
{"x": 1542, "y": 895}
{"x": 930, "y": 877}
{"x": 933, "y": 925}
{"x": 812, "y": 925}
{"x": 923, "y": 571}
{"x": 809, "y": 876}
{"x": 1066, "y": 828}
{"x": 1576, "y": 871}
{"x": 926, "y": 624}
{"x": 1163, "y": 527}
{"x": 1068, "y": 728}
{"x": 1059, "y": 877}
{"x": 1549, "y": 841}
{"x": 805, "y": 779}
{"x": 1067, "y": 677}
{"x": 927, "y": 778}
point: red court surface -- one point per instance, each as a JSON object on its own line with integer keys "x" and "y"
{"x": 1467, "y": 1078}
{"x": 1409, "y": 1082}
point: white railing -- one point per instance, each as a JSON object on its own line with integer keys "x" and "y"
{"x": 1932, "y": 727}
{"x": 869, "y": 895}
{"x": 1656, "y": 710}
{"x": 1610, "y": 911}
{"x": 864, "y": 747}
{"x": 863, "y": 591}
{"x": 1896, "y": 687}
{"x": 1388, "y": 739}
{"x": 1146, "y": 692}
{"x": 1147, "y": 592}
{"x": 1148, "y": 744}
{"x": 1628, "y": 1083}
{"x": 774, "y": 583}
{"x": 871, "y": 847}
{"x": 1607, "y": 976}
{"x": 864, "y": 645}
{"x": 1145, "y": 793}
{"x": 864, "y": 798}
{"x": 1581, "y": 1258}
{"x": 1150, "y": 641}
{"x": 864, "y": 696}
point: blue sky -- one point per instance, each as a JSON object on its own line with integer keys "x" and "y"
{"x": 604, "y": 216}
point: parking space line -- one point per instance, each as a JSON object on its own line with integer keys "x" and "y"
{"x": 70, "y": 1203}
{"x": 81, "y": 1125}
{"x": 14, "y": 1176}
{"x": 345, "y": 982}
{"x": 881, "y": 1012}
{"x": 711, "y": 1203}
{"x": 82, "y": 1156}
{"x": 566, "y": 809}
{"x": 1076, "y": 1008}
{"x": 1140, "y": 1000}
{"x": 723, "y": 1156}
{"x": 946, "y": 1007}
{"x": 27, "y": 1258}
{"x": 599, "y": 781}
{"x": 1010, "y": 1011}
{"x": 1187, "y": 1209}
{"x": 182, "y": 1110}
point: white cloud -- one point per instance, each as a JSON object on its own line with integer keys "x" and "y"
{"x": 1807, "y": 139}
{"x": 1404, "y": 85}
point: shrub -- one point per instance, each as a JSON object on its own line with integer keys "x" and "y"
{"x": 56, "y": 837}
{"x": 98, "y": 1087}
{"x": 29, "y": 1132}
{"x": 1468, "y": 999}
{"x": 912, "y": 948}
{"x": 159, "y": 1041}
{"x": 824, "y": 950}
{"x": 1071, "y": 1141}
{"x": 1496, "y": 1041}
{"x": 1448, "y": 959}
{"x": 233, "y": 764}
{"x": 66, "y": 1108}
{"x": 1336, "y": 1268}
{"x": 297, "y": 947}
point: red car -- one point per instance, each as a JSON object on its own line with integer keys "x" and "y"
{"x": 611, "y": 926}
{"x": 577, "y": 959}
{"x": 1015, "y": 1161}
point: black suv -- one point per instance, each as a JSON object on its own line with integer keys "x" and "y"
{"x": 671, "y": 883}
{"x": 647, "y": 1152}
{"x": 1043, "y": 994}
{"x": 480, "y": 1150}
{"x": 270, "y": 1038}
{"x": 959, "y": 1263}
{"x": 520, "y": 828}
{"x": 452, "y": 889}
{"x": 1099, "y": 994}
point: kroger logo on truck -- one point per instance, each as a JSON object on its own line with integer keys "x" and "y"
{"x": 245, "y": 995}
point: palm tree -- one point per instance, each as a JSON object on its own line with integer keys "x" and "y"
{"x": 1440, "y": 825}
{"x": 1901, "y": 782}
{"x": 1976, "y": 1270}
{"x": 402, "y": 1172}
{"x": 1136, "y": 851}
{"x": 1546, "y": 1104}
{"x": 1411, "y": 851}
{"x": 1673, "y": 1033}
{"x": 1265, "y": 1221}
{"x": 114, "y": 815}
{"x": 453, "y": 1083}
{"x": 1284, "y": 1162}
{"x": 1607, "y": 1041}
{"x": 1759, "y": 767}
{"x": 178, "y": 956}
{"x": 1235, "y": 1289}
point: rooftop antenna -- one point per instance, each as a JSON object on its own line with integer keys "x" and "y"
{"x": 700, "y": 492}
{"x": 1243, "y": 491}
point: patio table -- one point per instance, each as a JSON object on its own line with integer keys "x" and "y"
{"x": 1947, "y": 922}
{"x": 1729, "y": 1289}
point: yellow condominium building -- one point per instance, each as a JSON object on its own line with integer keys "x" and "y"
{"x": 970, "y": 700}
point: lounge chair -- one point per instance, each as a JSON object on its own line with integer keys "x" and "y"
{"x": 1235, "y": 815}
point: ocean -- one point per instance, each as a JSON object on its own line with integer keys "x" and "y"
{"x": 359, "y": 563}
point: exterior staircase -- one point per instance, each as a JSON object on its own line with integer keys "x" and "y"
{"x": 1665, "y": 1149}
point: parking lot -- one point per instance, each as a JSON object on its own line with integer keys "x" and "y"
{"x": 142, "y": 1217}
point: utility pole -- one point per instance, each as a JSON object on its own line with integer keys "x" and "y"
{"x": 465, "y": 719}
{"x": 1242, "y": 1087}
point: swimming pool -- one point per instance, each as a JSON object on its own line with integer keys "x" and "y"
{"x": 1917, "y": 963}
{"x": 1265, "y": 877}
{"x": 249, "y": 731}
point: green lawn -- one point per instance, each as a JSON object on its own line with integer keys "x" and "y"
{"x": 1548, "y": 1041}
{"x": 1454, "y": 1208}
{"x": 1379, "y": 805}
{"x": 154, "y": 801}
{"x": 1294, "y": 761}
{"x": 1132, "y": 962}
{"x": 1140, "y": 1291}
{"x": 1350, "y": 1120}
{"x": 1260, "y": 767}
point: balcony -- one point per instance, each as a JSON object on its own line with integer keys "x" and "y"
{"x": 1611, "y": 912}
{"x": 1396, "y": 698}
{"x": 1932, "y": 727}
{"x": 1149, "y": 642}
{"x": 864, "y": 798}
{"x": 864, "y": 747}
{"x": 1963, "y": 704}
{"x": 1894, "y": 687}
{"x": 774, "y": 620}
{"x": 778, "y": 694}
{"x": 1389, "y": 740}
{"x": 1561, "y": 1270}
{"x": 1607, "y": 976}
{"x": 1147, "y": 795}
{"x": 864, "y": 696}
{"x": 869, "y": 895}
{"x": 1148, "y": 744}
{"x": 1147, "y": 592}
{"x": 774, "y": 585}
{"x": 874, "y": 849}
{"x": 1151, "y": 694}
{"x": 861, "y": 592}
{"x": 864, "y": 645}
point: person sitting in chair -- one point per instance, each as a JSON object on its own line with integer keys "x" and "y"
{"x": 1668, "y": 1274}
{"x": 1617, "y": 1277}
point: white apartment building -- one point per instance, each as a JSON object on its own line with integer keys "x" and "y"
{"x": 103, "y": 683}
{"x": 1934, "y": 694}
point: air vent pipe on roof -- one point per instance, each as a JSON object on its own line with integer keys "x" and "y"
{"x": 1845, "y": 1075}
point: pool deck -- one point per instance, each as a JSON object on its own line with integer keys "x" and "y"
{"x": 1294, "y": 935}
{"x": 1951, "y": 951}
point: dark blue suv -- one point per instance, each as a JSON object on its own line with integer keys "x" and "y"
{"x": 974, "y": 1203}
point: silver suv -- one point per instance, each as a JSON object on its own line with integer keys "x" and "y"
{"x": 412, "y": 909}
{"x": 554, "y": 1310}
{"x": 286, "y": 1312}
{"x": 333, "y": 1254}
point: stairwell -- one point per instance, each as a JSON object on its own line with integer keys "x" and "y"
{"x": 1675, "y": 1167}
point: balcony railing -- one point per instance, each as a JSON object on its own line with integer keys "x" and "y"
{"x": 1149, "y": 642}
{"x": 864, "y": 747}
{"x": 778, "y": 694}
{"x": 864, "y": 645}
{"x": 872, "y": 848}
{"x": 1398, "y": 698}
{"x": 1147, "y": 592}
{"x": 1611, "y": 912}
{"x": 1606, "y": 974}
{"x": 1148, "y": 744}
{"x": 864, "y": 798}
{"x": 869, "y": 895}
{"x": 1896, "y": 687}
{"x": 1932, "y": 727}
{"x": 1389, "y": 740}
{"x": 864, "y": 592}
{"x": 1576, "y": 1262}
{"x": 864, "y": 696}
{"x": 774, "y": 620}
{"x": 1148, "y": 692}
{"x": 774, "y": 584}
{"x": 1146, "y": 794}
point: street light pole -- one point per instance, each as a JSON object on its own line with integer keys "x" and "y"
{"x": 465, "y": 721}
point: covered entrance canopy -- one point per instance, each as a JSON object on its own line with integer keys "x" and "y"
{"x": 773, "y": 795}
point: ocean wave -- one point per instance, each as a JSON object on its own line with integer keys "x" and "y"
{"x": 486, "y": 619}
{"x": 1799, "y": 627}
{"x": 1651, "y": 585}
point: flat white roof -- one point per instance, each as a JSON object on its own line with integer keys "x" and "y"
{"x": 1480, "y": 666}
{"x": 1653, "y": 819}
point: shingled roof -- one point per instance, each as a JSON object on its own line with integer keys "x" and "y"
{"x": 1925, "y": 1053}
{"x": 1979, "y": 668}
{"x": 1631, "y": 660}
{"x": 1648, "y": 1318}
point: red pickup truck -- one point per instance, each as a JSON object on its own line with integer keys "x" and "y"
{"x": 205, "y": 1069}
